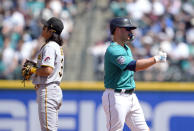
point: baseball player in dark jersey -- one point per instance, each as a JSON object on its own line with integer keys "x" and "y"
{"x": 48, "y": 75}
{"x": 119, "y": 100}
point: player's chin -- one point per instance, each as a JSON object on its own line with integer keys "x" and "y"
{"x": 42, "y": 34}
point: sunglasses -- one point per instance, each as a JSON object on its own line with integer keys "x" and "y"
{"x": 128, "y": 28}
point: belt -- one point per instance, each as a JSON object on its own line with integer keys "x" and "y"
{"x": 127, "y": 91}
{"x": 39, "y": 85}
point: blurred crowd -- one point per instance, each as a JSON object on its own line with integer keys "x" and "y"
{"x": 166, "y": 25}
{"x": 20, "y": 30}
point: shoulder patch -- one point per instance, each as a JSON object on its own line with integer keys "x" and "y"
{"x": 47, "y": 59}
{"x": 121, "y": 60}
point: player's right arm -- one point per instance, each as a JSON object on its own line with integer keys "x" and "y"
{"x": 44, "y": 71}
{"x": 47, "y": 63}
{"x": 143, "y": 64}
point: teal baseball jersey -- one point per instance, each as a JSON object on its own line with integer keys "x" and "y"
{"x": 116, "y": 60}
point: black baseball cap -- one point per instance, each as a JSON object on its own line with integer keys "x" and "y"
{"x": 55, "y": 24}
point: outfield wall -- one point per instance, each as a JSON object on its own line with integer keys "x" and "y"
{"x": 167, "y": 106}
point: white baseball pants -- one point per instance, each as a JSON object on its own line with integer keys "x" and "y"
{"x": 123, "y": 108}
{"x": 49, "y": 100}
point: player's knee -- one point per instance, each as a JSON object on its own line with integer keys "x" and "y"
{"x": 116, "y": 127}
{"x": 141, "y": 128}
{"x": 48, "y": 129}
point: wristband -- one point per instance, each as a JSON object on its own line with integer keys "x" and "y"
{"x": 157, "y": 58}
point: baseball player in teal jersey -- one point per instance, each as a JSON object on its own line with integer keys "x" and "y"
{"x": 48, "y": 75}
{"x": 119, "y": 100}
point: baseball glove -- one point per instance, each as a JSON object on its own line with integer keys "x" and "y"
{"x": 28, "y": 69}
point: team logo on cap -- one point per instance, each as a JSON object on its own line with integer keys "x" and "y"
{"x": 121, "y": 60}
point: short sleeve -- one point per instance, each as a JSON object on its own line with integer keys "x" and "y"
{"x": 48, "y": 55}
{"x": 120, "y": 58}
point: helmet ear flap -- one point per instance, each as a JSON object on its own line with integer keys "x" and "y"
{"x": 112, "y": 29}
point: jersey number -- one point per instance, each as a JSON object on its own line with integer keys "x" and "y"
{"x": 61, "y": 72}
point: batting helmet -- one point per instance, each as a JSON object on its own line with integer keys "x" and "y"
{"x": 121, "y": 22}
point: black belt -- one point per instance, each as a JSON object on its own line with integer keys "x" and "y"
{"x": 127, "y": 91}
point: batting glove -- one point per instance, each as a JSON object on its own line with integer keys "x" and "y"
{"x": 161, "y": 57}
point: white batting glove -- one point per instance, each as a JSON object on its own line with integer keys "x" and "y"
{"x": 161, "y": 57}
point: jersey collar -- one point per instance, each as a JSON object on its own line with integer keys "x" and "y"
{"x": 125, "y": 45}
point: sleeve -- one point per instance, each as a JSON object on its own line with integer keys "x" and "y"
{"x": 48, "y": 55}
{"x": 131, "y": 66}
{"x": 119, "y": 58}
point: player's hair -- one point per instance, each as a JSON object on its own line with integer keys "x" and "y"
{"x": 57, "y": 38}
